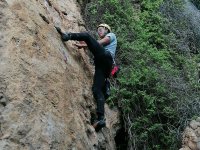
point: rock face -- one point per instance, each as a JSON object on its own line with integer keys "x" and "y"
{"x": 191, "y": 136}
{"x": 45, "y": 84}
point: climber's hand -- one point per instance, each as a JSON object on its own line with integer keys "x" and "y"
{"x": 80, "y": 45}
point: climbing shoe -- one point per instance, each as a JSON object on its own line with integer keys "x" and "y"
{"x": 64, "y": 36}
{"x": 59, "y": 30}
{"x": 99, "y": 124}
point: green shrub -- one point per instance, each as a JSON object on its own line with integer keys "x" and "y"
{"x": 155, "y": 78}
{"x": 196, "y": 3}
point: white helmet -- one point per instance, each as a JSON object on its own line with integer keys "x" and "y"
{"x": 106, "y": 26}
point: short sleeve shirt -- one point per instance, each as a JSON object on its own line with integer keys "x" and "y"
{"x": 113, "y": 44}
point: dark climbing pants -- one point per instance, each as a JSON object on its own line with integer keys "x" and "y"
{"x": 103, "y": 66}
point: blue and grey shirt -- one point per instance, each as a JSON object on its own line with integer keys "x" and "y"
{"x": 113, "y": 44}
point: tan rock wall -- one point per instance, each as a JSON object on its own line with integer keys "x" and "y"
{"x": 191, "y": 136}
{"x": 45, "y": 84}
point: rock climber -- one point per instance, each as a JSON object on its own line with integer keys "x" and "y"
{"x": 104, "y": 53}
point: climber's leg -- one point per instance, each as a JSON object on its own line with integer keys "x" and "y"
{"x": 103, "y": 66}
{"x": 93, "y": 45}
{"x": 106, "y": 89}
{"x": 98, "y": 83}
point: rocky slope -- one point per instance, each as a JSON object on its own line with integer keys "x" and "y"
{"x": 191, "y": 136}
{"x": 45, "y": 84}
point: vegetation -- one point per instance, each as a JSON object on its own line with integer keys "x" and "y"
{"x": 196, "y": 3}
{"x": 157, "y": 88}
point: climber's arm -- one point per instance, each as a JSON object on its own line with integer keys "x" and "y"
{"x": 105, "y": 41}
{"x": 81, "y": 44}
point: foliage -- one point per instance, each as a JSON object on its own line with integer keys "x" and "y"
{"x": 156, "y": 80}
{"x": 196, "y": 3}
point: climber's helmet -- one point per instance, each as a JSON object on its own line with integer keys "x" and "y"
{"x": 105, "y": 26}
{"x": 103, "y": 29}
